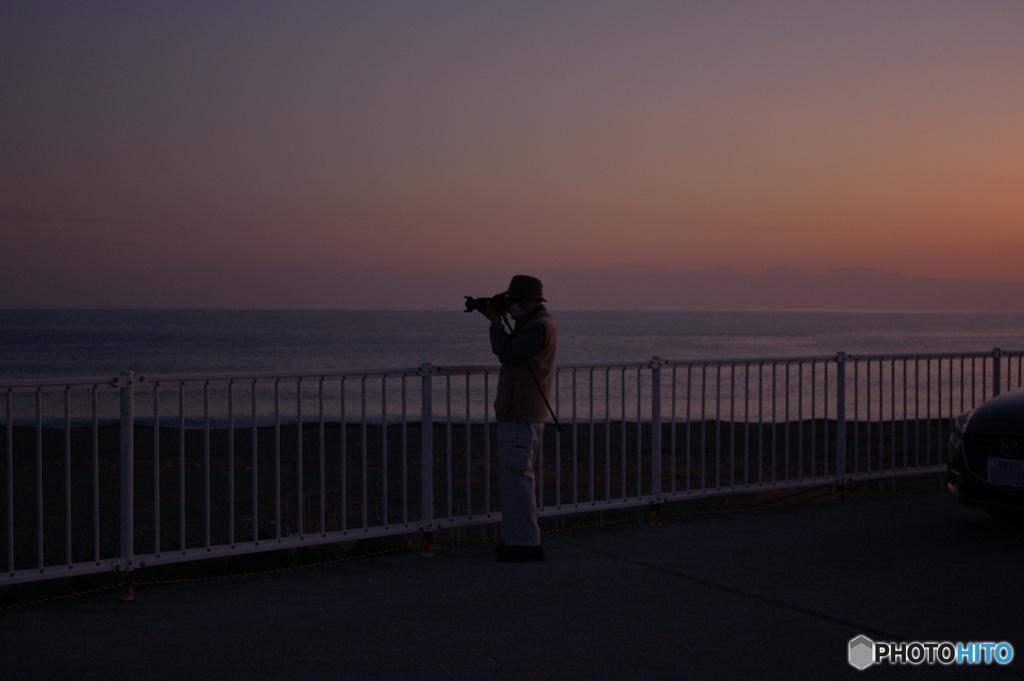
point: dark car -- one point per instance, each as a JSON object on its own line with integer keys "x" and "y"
{"x": 986, "y": 455}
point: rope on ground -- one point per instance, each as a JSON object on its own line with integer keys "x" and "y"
{"x": 191, "y": 580}
{"x": 58, "y": 597}
{"x": 801, "y": 495}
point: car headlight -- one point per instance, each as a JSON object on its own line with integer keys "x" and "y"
{"x": 960, "y": 422}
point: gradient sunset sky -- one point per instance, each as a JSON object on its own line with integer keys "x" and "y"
{"x": 401, "y": 154}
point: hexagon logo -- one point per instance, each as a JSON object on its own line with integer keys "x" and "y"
{"x": 862, "y": 652}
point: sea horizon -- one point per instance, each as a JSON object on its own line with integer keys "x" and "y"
{"x": 40, "y": 342}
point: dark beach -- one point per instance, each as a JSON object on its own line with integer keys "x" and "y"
{"x": 250, "y": 480}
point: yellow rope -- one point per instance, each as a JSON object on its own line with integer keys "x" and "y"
{"x": 192, "y": 580}
{"x": 815, "y": 494}
{"x": 59, "y": 597}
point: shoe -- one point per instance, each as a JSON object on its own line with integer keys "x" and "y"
{"x": 519, "y": 554}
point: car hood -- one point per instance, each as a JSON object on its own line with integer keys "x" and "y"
{"x": 1003, "y": 415}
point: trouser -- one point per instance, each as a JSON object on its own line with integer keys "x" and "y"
{"x": 518, "y": 447}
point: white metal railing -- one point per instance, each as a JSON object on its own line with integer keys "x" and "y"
{"x": 105, "y": 473}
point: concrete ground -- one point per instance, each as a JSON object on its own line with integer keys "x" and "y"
{"x": 755, "y": 593}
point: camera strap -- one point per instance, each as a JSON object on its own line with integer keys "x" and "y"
{"x": 558, "y": 426}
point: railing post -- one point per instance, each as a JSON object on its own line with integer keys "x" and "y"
{"x": 126, "y": 383}
{"x": 656, "y": 363}
{"x": 841, "y": 424}
{"x": 997, "y": 370}
{"x": 427, "y": 459}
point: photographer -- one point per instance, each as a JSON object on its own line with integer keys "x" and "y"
{"x": 527, "y": 356}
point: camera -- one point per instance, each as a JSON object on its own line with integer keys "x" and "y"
{"x": 499, "y": 303}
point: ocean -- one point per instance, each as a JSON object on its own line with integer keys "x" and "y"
{"x": 71, "y": 343}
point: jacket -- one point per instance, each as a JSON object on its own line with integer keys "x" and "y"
{"x": 527, "y": 357}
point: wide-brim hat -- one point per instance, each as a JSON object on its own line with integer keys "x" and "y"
{"x": 525, "y": 286}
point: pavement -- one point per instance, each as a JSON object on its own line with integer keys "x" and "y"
{"x": 717, "y": 592}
